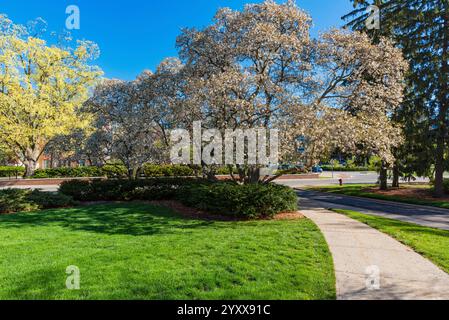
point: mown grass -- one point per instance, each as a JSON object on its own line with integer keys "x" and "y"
{"x": 363, "y": 190}
{"x": 432, "y": 243}
{"x": 138, "y": 251}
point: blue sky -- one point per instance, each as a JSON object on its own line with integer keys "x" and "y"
{"x": 135, "y": 35}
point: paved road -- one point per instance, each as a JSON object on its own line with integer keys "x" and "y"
{"x": 371, "y": 265}
{"x": 326, "y": 179}
{"x": 422, "y": 215}
{"x": 48, "y": 188}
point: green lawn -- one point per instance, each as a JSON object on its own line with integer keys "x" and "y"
{"x": 362, "y": 190}
{"x": 430, "y": 242}
{"x": 137, "y": 251}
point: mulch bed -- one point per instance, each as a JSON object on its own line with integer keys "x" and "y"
{"x": 202, "y": 215}
{"x": 412, "y": 193}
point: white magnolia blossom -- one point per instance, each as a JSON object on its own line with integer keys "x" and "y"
{"x": 126, "y": 125}
{"x": 260, "y": 68}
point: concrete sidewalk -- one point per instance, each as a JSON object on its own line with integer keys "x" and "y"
{"x": 372, "y": 265}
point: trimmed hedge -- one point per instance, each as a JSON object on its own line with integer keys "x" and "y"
{"x": 113, "y": 171}
{"x": 18, "y": 200}
{"x": 126, "y": 190}
{"x": 153, "y": 170}
{"x": 346, "y": 169}
{"x": 68, "y": 172}
{"x": 7, "y": 171}
{"x": 224, "y": 198}
{"x": 110, "y": 171}
{"x": 120, "y": 171}
{"x": 250, "y": 201}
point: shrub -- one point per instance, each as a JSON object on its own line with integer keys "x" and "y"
{"x": 446, "y": 185}
{"x": 226, "y": 171}
{"x": 114, "y": 171}
{"x": 224, "y": 198}
{"x": 18, "y": 200}
{"x": 249, "y": 201}
{"x": 345, "y": 169}
{"x": 68, "y": 172}
{"x": 152, "y": 170}
{"x": 6, "y": 171}
{"x": 49, "y": 200}
{"x": 110, "y": 171}
{"x": 126, "y": 190}
{"x": 120, "y": 171}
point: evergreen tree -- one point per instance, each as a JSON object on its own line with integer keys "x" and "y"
{"x": 421, "y": 29}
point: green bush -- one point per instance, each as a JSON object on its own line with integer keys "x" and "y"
{"x": 114, "y": 171}
{"x": 250, "y": 201}
{"x": 111, "y": 171}
{"x": 64, "y": 172}
{"x": 446, "y": 185}
{"x": 225, "y": 171}
{"x": 18, "y": 200}
{"x": 126, "y": 190}
{"x": 345, "y": 169}
{"x": 153, "y": 170}
{"x": 120, "y": 171}
{"x": 11, "y": 171}
{"x": 224, "y": 198}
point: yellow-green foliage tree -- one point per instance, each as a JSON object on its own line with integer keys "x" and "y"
{"x": 42, "y": 88}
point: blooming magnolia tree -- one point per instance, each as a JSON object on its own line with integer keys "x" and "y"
{"x": 260, "y": 68}
{"x": 133, "y": 119}
{"x": 355, "y": 88}
{"x": 121, "y": 130}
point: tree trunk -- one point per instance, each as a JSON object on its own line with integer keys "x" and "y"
{"x": 131, "y": 174}
{"x": 383, "y": 178}
{"x": 30, "y": 168}
{"x": 439, "y": 169}
{"x": 254, "y": 175}
{"x": 396, "y": 174}
{"x": 31, "y": 157}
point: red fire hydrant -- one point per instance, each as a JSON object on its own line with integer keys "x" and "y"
{"x": 341, "y": 182}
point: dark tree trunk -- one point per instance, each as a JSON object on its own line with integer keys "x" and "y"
{"x": 396, "y": 175}
{"x": 383, "y": 177}
{"x": 439, "y": 169}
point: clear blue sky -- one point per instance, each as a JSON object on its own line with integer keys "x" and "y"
{"x": 137, "y": 34}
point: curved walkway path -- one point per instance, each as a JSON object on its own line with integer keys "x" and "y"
{"x": 372, "y": 265}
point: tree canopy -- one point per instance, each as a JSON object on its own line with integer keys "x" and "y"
{"x": 420, "y": 28}
{"x": 42, "y": 88}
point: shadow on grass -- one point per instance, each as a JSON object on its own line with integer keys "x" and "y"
{"x": 113, "y": 219}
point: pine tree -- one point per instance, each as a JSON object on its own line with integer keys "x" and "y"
{"x": 421, "y": 30}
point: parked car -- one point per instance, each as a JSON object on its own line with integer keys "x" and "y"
{"x": 293, "y": 167}
{"x": 317, "y": 169}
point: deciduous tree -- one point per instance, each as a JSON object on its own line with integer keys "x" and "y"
{"x": 260, "y": 68}
{"x": 41, "y": 90}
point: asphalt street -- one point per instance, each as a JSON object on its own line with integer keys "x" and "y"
{"x": 422, "y": 215}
